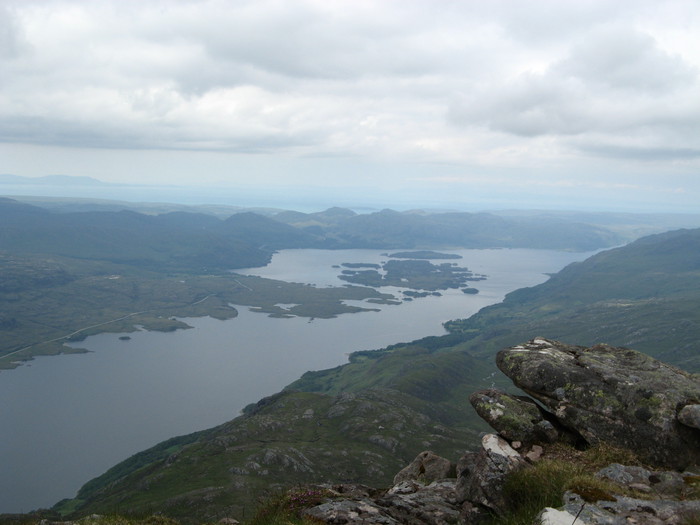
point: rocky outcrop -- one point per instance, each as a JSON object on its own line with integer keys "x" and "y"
{"x": 427, "y": 467}
{"x": 621, "y": 510}
{"x": 516, "y": 418}
{"x": 408, "y": 503}
{"x": 613, "y": 395}
{"x": 665, "y": 484}
{"x": 482, "y": 485}
{"x": 473, "y": 496}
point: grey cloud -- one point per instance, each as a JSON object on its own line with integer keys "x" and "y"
{"x": 12, "y": 42}
{"x": 263, "y": 41}
{"x": 278, "y": 46}
{"x": 610, "y": 83}
{"x": 532, "y": 106}
{"x": 620, "y": 58}
{"x": 348, "y": 78}
{"x": 69, "y": 133}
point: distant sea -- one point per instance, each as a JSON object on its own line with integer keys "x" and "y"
{"x": 284, "y": 198}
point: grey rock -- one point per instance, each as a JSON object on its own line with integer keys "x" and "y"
{"x": 435, "y": 504}
{"x": 534, "y": 454}
{"x": 289, "y": 459}
{"x": 405, "y": 487}
{"x": 466, "y": 465}
{"x": 427, "y": 467}
{"x": 474, "y": 514}
{"x": 689, "y": 415}
{"x": 609, "y": 394}
{"x": 626, "y": 511}
{"x": 667, "y": 484}
{"x": 350, "y": 512}
{"x": 640, "y": 487}
{"x": 550, "y": 516}
{"x": 408, "y": 503}
{"x": 483, "y": 486}
{"x": 515, "y": 418}
{"x": 387, "y": 443}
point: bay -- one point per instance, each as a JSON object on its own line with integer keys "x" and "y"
{"x": 67, "y": 419}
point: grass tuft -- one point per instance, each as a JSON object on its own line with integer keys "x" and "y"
{"x": 530, "y": 490}
{"x": 286, "y": 509}
{"x": 592, "y": 489}
{"x": 603, "y": 454}
{"x": 693, "y": 519}
{"x": 692, "y": 483}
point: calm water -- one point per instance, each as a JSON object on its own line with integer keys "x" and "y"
{"x": 67, "y": 419}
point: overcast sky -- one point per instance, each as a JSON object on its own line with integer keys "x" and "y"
{"x": 472, "y": 104}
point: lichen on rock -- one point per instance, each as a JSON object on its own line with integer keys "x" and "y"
{"x": 515, "y": 418}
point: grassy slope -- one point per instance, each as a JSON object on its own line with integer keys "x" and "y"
{"x": 290, "y": 439}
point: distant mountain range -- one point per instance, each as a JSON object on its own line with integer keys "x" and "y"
{"x": 65, "y": 180}
{"x": 69, "y": 194}
{"x": 391, "y": 229}
{"x": 197, "y": 242}
{"x": 162, "y": 242}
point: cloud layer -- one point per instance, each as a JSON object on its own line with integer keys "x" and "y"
{"x": 478, "y": 85}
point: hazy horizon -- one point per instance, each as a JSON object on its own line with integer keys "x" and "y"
{"x": 306, "y": 200}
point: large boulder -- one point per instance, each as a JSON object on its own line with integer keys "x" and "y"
{"x": 613, "y": 395}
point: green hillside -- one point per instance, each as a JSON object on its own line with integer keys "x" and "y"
{"x": 389, "y": 229}
{"x": 644, "y": 295}
{"x": 180, "y": 242}
{"x": 286, "y": 440}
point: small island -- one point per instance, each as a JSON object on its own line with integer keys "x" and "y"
{"x": 361, "y": 265}
{"x": 413, "y": 274}
{"x": 424, "y": 254}
{"x": 415, "y": 295}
